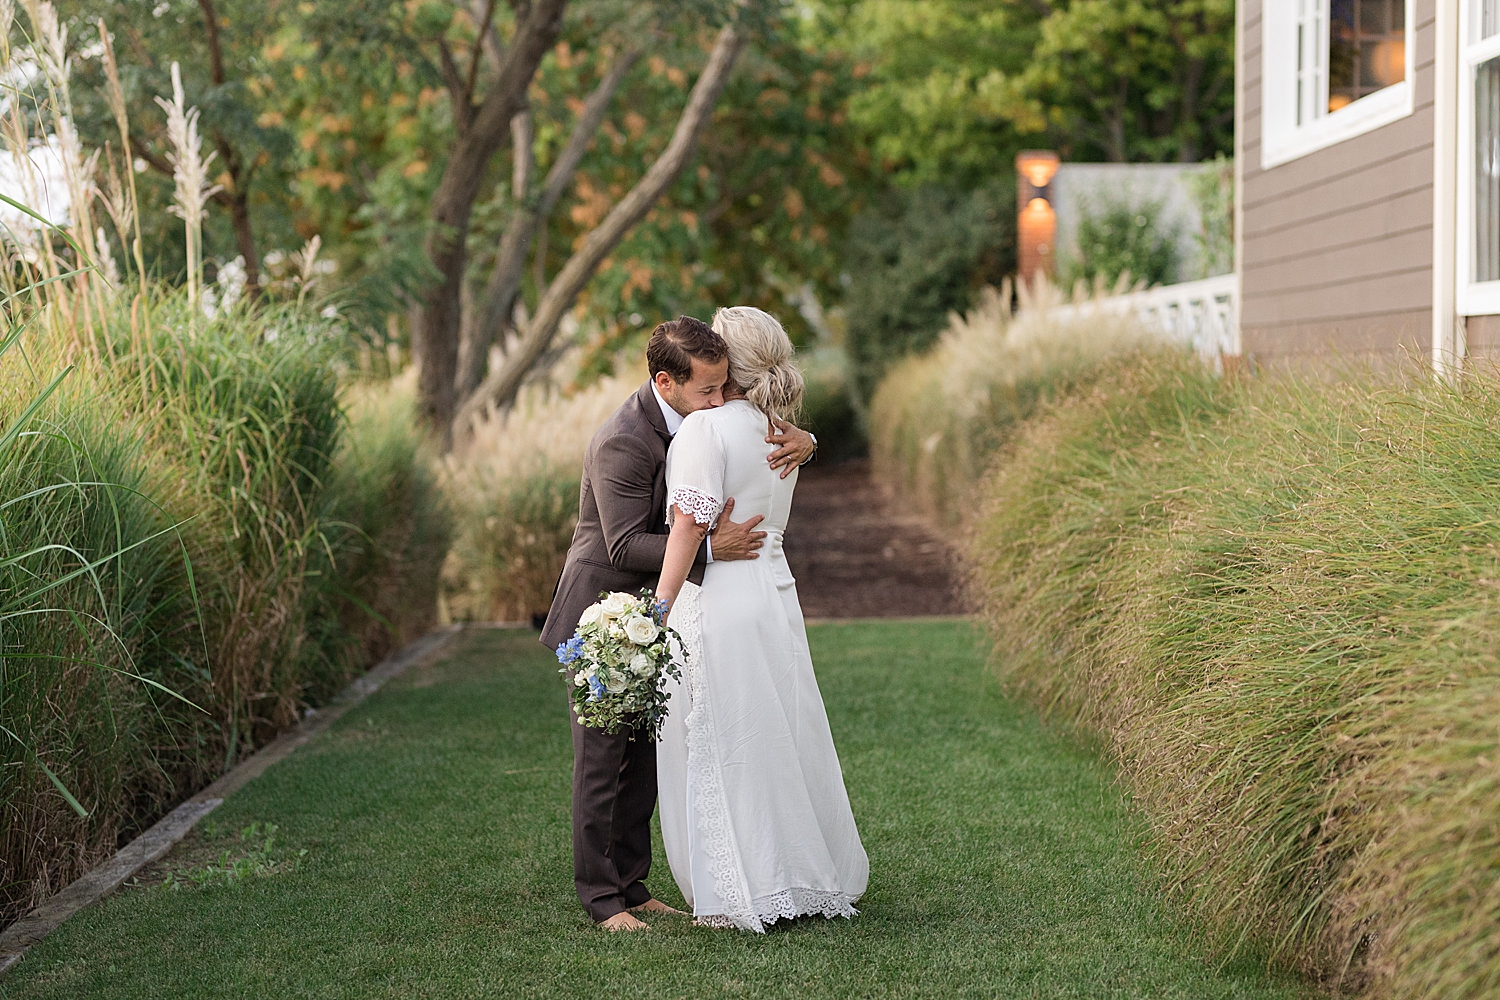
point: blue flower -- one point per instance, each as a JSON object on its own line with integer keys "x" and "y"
{"x": 596, "y": 689}
{"x": 661, "y": 610}
{"x": 569, "y": 651}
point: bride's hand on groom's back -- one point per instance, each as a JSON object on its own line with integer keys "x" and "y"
{"x": 736, "y": 540}
{"x": 794, "y": 446}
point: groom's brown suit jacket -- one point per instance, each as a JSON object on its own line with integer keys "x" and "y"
{"x": 621, "y": 536}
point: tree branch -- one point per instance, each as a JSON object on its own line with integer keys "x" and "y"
{"x": 584, "y": 129}
{"x": 215, "y": 53}
{"x": 500, "y": 388}
{"x": 474, "y": 56}
{"x": 457, "y": 94}
{"x": 439, "y": 320}
{"x": 522, "y": 146}
{"x": 498, "y": 302}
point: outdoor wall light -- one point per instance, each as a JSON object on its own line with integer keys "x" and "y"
{"x": 1036, "y": 221}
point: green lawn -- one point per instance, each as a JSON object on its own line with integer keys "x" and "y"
{"x": 435, "y": 821}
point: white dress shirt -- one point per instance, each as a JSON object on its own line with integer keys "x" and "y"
{"x": 674, "y": 424}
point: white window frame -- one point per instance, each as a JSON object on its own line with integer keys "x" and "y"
{"x": 1283, "y": 139}
{"x": 1474, "y": 298}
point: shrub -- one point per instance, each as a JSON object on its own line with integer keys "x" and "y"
{"x": 830, "y": 404}
{"x": 913, "y": 259}
{"x": 514, "y": 489}
{"x": 1212, "y": 191}
{"x": 190, "y": 509}
{"x": 1119, "y": 236}
{"x": 937, "y": 418}
{"x": 1276, "y": 601}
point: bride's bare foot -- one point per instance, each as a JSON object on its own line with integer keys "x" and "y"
{"x": 623, "y": 922}
{"x": 658, "y": 907}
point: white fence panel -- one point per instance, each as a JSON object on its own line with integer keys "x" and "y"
{"x": 1203, "y": 315}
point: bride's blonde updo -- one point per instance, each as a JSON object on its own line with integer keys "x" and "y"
{"x": 760, "y": 359}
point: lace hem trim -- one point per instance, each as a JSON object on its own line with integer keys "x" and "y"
{"x": 723, "y": 854}
{"x": 788, "y": 904}
{"x": 704, "y": 508}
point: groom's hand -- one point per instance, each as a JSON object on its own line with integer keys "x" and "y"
{"x": 732, "y": 540}
{"x": 793, "y": 448}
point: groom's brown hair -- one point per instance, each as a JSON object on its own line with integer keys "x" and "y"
{"x": 675, "y": 343}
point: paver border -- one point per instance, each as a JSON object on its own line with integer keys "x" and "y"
{"x": 104, "y": 879}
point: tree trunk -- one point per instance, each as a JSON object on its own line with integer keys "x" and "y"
{"x": 498, "y": 302}
{"x": 501, "y": 386}
{"x": 1191, "y": 130}
{"x": 1115, "y": 125}
{"x": 237, "y": 200}
{"x": 244, "y": 237}
{"x": 440, "y": 319}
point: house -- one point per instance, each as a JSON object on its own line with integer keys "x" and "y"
{"x": 1367, "y": 153}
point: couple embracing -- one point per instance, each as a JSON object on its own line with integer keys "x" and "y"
{"x": 754, "y": 814}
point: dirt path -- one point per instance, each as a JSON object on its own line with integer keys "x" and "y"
{"x": 856, "y": 556}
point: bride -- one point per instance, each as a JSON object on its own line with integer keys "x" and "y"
{"x": 754, "y": 814}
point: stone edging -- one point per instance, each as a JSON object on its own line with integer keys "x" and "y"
{"x": 100, "y": 881}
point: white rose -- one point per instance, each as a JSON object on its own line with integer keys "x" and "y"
{"x": 640, "y": 665}
{"x": 640, "y": 630}
{"x": 579, "y": 680}
{"x": 615, "y": 605}
{"x": 592, "y": 614}
{"x": 615, "y": 683}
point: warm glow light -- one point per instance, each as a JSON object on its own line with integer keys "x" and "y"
{"x": 1388, "y": 62}
{"x": 1037, "y": 167}
{"x": 1336, "y": 101}
{"x": 1036, "y": 229}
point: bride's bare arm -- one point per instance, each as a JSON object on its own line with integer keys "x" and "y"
{"x": 682, "y": 547}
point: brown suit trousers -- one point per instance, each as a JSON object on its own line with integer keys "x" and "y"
{"x": 618, "y": 545}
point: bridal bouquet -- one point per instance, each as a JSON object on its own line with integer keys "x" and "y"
{"x": 620, "y": 657}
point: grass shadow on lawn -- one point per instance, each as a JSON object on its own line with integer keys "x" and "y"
{"x": 435, "y": 821}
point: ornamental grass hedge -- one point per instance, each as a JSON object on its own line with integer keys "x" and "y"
{"x": 201, "y": 534}
{"x": 1277, "y": 599}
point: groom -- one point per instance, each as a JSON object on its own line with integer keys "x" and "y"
{"x": 618, "y": 546}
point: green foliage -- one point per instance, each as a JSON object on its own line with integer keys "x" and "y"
{"x": 256, "y": 146}
{"x": 955, "y": 88}
{"x": 1212, "y": 191}
{"x": 913, "y": 259}
{"x": 191, "y": 504}
{"x": 1292, "y": 658}
{"x": 1132, "y": 80}
{"x": 831, "y": 407}
{"x": 933, "y": 80}
{"x": 1118, "y": 235}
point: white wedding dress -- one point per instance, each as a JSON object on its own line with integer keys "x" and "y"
{"x": 754, "y": 813}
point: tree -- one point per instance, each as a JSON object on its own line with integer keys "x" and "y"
{"x": 218, "y": 44}
{"x": 1132, "y": 80}
{"x": 501, "y": 385}
{"x": 958, "y": 86}
{"x": 486, "y": 77}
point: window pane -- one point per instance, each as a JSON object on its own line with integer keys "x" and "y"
{"x": 1366, "y": 48}
{"x": 1487, "y": 171}
{"x": 1489, "y": 18}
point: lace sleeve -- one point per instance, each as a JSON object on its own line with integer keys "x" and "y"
{"x": 704, "y": 508}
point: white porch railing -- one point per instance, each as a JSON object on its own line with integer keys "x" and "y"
{"x": 1203, "y": 315}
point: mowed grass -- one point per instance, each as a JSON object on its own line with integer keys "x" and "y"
{"x": 435, "y": 817}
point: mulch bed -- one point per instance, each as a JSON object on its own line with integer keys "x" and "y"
{"x": 856, "y": 555}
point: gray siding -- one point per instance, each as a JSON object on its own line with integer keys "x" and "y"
{"x": 1483, "y": 333}
{"x": 1337, "y": 245}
